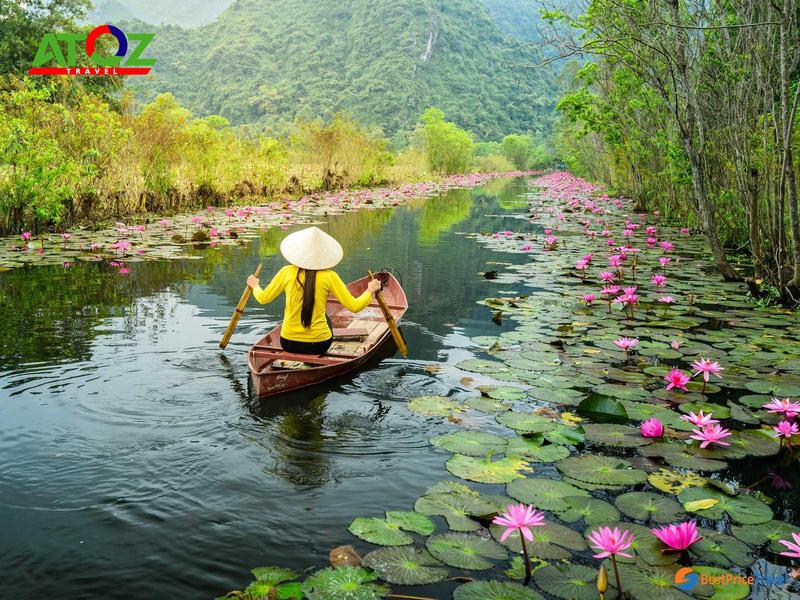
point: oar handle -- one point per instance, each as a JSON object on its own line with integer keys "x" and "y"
{"x": 237, "y": 313}
{"x": 387, "y": 314}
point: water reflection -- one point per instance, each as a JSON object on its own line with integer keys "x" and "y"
{"x": 138, "y": 464}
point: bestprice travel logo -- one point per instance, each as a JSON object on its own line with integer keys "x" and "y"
{"x": 50, "y": 49}
{"x": 686, "y": 578}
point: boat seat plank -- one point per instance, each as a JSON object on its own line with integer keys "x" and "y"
{"x": 373, "y": 337}
{"x": 350, "y": 333}
{"x": 306, "y": 358}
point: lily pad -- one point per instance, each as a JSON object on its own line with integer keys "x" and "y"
{"x": 718, "y": 410}
{"x": 647, "y": 506}
{"x": 344, "y": 583}
{"x": 569, "y": 581}
{"x": 479, "y": 365}
{"x": 411, "y": 521}
{"x": 433, "y": 406}
{"x": 486, "y": 470}
{"x": 598, "y": 469}
{"x": 494, "y": 590}
{"x": 535, "y": 450}
{"x": 269, "y": 579}
{"x": 405, "y": 565}
{"x": 621, "y": 436}
{"x": 743, "y": 509}
{"x": 456, "y": 509}
{"x": 565, "y": 435}
{"x": 757, "y": 535}
{"x": 684, "y": 456}
{"x": 466, "y": 551}
{"x": 647, "y": 582}
{"x": 487, "y": 405}
{"x": 591, "y": 510}
{"x": 721, "y": 550}
{"x": 545, "y": 494}
{"x": 525, "y": 422}
{"x": 471, "y": 443}
{"x": 507, "y": 393}
{"x": 602, "y": 409}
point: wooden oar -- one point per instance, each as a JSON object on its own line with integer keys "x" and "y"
{"x": 387, "y": 314}
{"x": 237, "y": 314}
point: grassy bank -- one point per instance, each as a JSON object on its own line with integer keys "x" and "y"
{"x": 69, "y": 154}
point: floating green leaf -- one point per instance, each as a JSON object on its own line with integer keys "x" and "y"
{"x": 545, "y": 494}
{"x": 507, "y": 393}
{"x": 466, "y": 551}
{"x": 721, "y": 550}
{"x": 550, "y": 541}
{"x": 565, "y": 435}
{"x": 456, "y": 509}
{"x": 569, "y": 582}
{"x": 478, "y": 365}
{"x": 487, "y": 405}
{"x": 684, "y": 456}
{"x": 647, "y": 506}
{"x": 598, "y": 469}
{"x": 433, "y": 406}
{"x": 621, "y": 436}
{"x": 411, "y": 521}
{"x": 379, "y": 531}
{"x": 593, "y": 511}
{"x": 486, "y": 470}
{"x": 525, "y": 422}
{"x": 762, "y": 533}
{"x": 743, "y": 509}
{"x": 405, "y": 565}
{"x": 471, "y": 443}
{"x": 602, "y": 409}
{"x": 533, "y": 449}
{"x": 494, "y": 590}
{"x": 344, "y": 583}
{"x": 647, "y": 582}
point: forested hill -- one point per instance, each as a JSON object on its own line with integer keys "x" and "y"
{"x": 383, "y": 61}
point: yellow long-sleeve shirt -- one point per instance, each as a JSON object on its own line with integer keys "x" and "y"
{"x": 328, "y": 282}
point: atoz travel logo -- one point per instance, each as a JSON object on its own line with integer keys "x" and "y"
{"x": 122, "y": 62}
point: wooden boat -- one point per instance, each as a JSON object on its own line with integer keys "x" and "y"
{"x": 358, "y": 339}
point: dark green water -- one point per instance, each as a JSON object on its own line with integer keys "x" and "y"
{"x": 135, "y": 464}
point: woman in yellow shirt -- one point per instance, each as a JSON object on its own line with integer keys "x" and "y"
{"x": 307, "y": 281}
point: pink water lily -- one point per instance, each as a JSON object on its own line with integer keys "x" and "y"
{"x": 711, "y": 434}
{"x": 65, "y": 236}
{"x": 707, "y": 368}
{"x": 677, "y": 379}
{"x": 794, "y": 548}
{"x": 664, "y": 260}
{"x": 611, "y": 542}
{"x": 786, "y": 429}
{"x": 588, "y": 298}
{"x": 652, "y": 428}
{"x": 26, "y": 236}
{"x": 699, "y": 419}
{"x": 677, "y": 537}
{"x": 520, "y": 517}
{"x": 607, "y": 276}
{"x": 626, "y": 343}
{"x": 788, "y": 408}
{"x": 675, "y": 344}
{"x": 658, "y": 280}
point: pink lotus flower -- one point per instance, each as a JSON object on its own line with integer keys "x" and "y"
{"x": 615, "y": 260}
{"x": 626, "y": 343}
{"x": 95, "y": 246}
{"x": 699, "y": 419}
{"x": 650, "y": 230}
{"x": 121, "y": 245}
{"x": 794, "y": 548}
{"x": 664, "y": 260}
{"x": 667, "y": 246}
{"x": 65, "y": 236}
{"x": 658, "y": 280}
{"x": 67, "y": 264}
{"x": 26, "y": 236}
{"x": 519, "y": 517}
{"x": 711, "y": 434}
{"x": 778, "y": 482}
{"x": 124, "y": 271}
{"x": 629, "y": 290}
{"x": 651, "y": 241}
{"x": 588, "y": 298}
{"x": 789, "y": 409}
{"x": 165, "y": 223}
{"x": 675, "y": 344}
{"x": 786, "y": 429}
{"x": 607, "y": 276}
{"x": 652, "y": 428}
{"x": 610, "y": 290}
{"x": 611, "y": 542}
{"x": 707, "y": 368}
{"x": 228, "y": 212}
{"x": 666, "y": 300}
{"x": 684, "y": 230}
{"x": 677, "y": 537}
{"x": 677, "y": 379}
{"x": 527, "y": 247}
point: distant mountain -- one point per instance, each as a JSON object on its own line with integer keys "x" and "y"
{"x": 186, "y": 13}
{"x": 383, "y": 61}
{"x": 518, "y": 18}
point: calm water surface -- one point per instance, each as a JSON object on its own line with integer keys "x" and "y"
{"x": 134, "y": 463}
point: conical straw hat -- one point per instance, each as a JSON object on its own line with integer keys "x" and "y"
{"x": 311, "y": 249}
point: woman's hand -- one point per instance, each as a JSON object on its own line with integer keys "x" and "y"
{"x": 374, "y": 286}
{"x": 252, "y": 281}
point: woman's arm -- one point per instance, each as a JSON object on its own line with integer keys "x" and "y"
{"x": 344, "y": 296}
{"x": 275, "y": 287}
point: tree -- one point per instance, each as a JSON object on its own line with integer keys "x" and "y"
{"x": 449, "y": 148}
{"x": 517, "y": 149}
